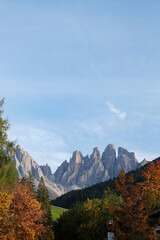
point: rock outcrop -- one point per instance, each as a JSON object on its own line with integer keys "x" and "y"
{"x": 46, "y": 170}
{"x": 25, "y": 164}
{"x": 82, "y": 171}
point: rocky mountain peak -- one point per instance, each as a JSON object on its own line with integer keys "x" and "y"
{"x": 20, "y": 153}
{"x": 95, "y": 154}
{"x": 76, "y": 157}
{"x": 81, "y": 171}
{"x": 109, "y": 149}
{"x": 46, "y": 170}
{"x": 124, "y": 152}
{"x": 143, "y": 162}
{"x": 109, "y": 153}
{"x": 25, "y": 164}
{"x": 108, "y": 160}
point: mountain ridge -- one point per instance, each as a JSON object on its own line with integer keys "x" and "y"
{"x": 25, "y": 164}
{"x": 68, "y": 200}
{"x": 81, "y": 171}
{"x": 84, "y": 171}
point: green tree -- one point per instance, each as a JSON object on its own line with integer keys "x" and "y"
{"x": 31, "y": 181}
{"x": 8, "y": 172}
{"x": 43, "y": 198}
{"x": 95, "y": 215}
{"x": 87, "y": 221}
{"x": 67, "y": 225}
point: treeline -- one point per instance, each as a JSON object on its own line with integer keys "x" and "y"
{"x": 25, "y": 213}
{"x": 69, "y": 199}
{"x": 130, "y": 209}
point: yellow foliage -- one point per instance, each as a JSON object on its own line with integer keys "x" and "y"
{"x": 5, "y": 201}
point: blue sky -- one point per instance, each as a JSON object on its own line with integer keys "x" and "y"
{"x": 80, "y": 74}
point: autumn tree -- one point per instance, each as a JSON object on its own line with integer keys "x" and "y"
{"x": 94, "y": 216}
{"x": 131, "y": 218}
{"x": 5, "y": 202}
{"x": 25, "y": 220}
{"x": 87, "y": 221}
{"x": 29, "y": 179}
{"x": 151, "y": 186}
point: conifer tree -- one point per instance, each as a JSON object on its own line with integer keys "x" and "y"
{"x": 8, "y": 172}
{"x": 43, "y": 198}
{"x": 30, "y": 180}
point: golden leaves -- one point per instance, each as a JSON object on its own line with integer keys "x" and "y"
{"x": 21, "y": 216}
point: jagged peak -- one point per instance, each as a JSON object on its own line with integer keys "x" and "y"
{"x": 123, "y": 151}
{"x": 96, "y": 149}
{"x": 143, "y": 162}
{"x": 46, "y": 169}
{"x": 22, "y": 151}
{"x": 95, "y": 154}
{"x": 109, "y": 151}
{"x": 76, "y": 157}
{"x": 109, "y": 147}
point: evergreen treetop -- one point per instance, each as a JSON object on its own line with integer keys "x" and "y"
{"x": 43, "y": 198}
{"x": 8, "y": 172}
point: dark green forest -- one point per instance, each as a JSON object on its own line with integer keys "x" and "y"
{"x": 71, "y": 198}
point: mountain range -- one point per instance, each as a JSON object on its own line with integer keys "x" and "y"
{"x": 25, "y": 164}
{"x": 81, "y": 171}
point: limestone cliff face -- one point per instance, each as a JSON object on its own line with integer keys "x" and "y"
{"x": 25, "y": 164}
{"x": 126, "y": 160}
{"x": 108, "y": 160}
{"x": 46, "y": 170}
{"x": 80, "y": 171}
{"x": 83, "y": 171}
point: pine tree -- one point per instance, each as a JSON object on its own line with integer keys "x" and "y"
{"x": 8, "y": 172}
{"x": 31, "y": 181}
{"x": 43, "y": 198}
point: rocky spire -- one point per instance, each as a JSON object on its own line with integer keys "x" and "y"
{"x": 108, "y": 160}
{"x": 76, "y": 157}
{"x": 95, "y": 154}
{"x": 124, "y": 152}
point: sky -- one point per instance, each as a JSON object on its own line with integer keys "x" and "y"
{"x": 81, "y": 74}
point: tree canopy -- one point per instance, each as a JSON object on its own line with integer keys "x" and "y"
{"x": 43, "y": 198}
{"x": 8, "y": 172}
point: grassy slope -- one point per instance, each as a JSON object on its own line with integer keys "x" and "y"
{"x": 57, "y": 212}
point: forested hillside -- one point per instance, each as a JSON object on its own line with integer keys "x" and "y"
{"x": 127, "y": 211}
{"x": 68, "y": 200}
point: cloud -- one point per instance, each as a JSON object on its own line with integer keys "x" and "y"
{"x": 43, "y": 145}
{"x": 118, "y": 113}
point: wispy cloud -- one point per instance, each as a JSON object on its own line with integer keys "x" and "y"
{"x": 43, "y": 145}
{"x": 118, "y": 113}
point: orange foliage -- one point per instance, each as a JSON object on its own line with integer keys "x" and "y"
{"x": 5, "y": 201}
{"x": 151, "y": 186}
{"x": 22, "y": 215}
{"x": 131, "y": 217}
